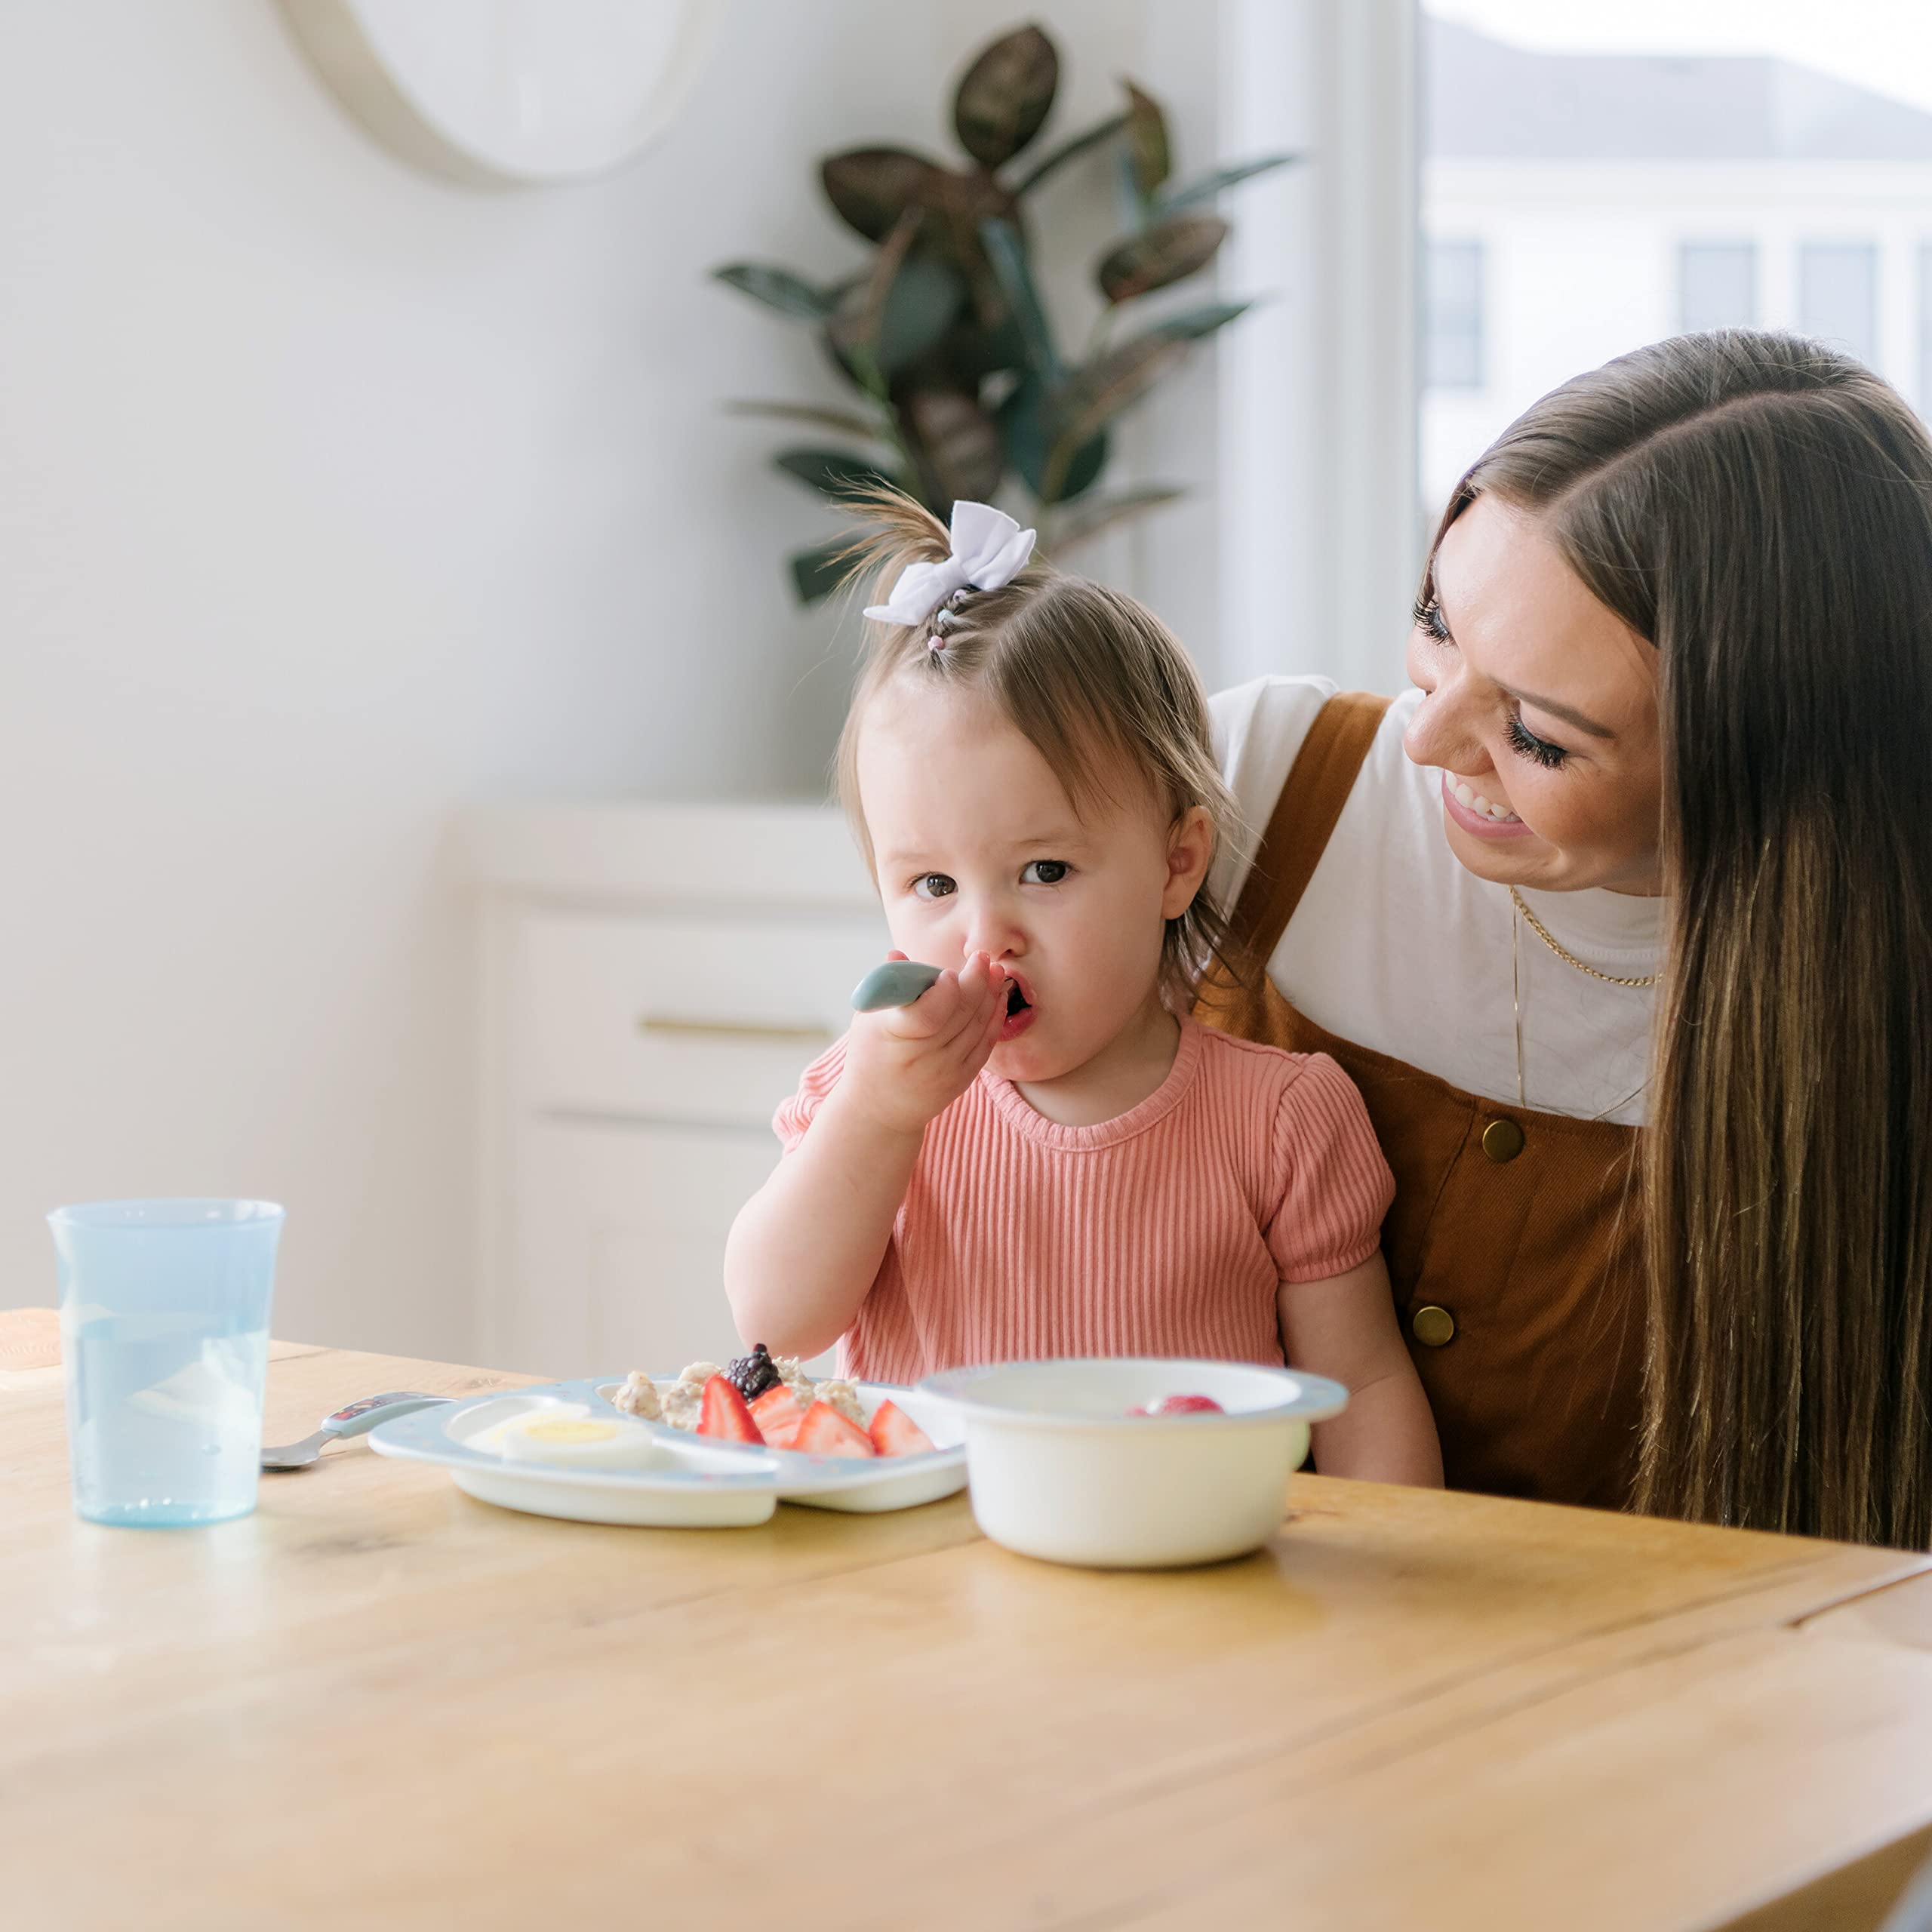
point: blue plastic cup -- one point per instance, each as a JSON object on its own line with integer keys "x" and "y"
{"x": 165, "y": 1331}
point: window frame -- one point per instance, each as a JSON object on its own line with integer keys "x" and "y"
{"x": 1317, "y": 533}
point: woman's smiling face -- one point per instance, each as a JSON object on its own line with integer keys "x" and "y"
{"x": 1541, "y": 713}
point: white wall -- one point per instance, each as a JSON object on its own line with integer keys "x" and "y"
{"x": 332, "y": 496}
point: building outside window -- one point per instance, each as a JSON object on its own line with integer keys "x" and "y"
{"x": 1717, "y": 285}
{"x": 1616, "y": 191}
{"x": 1452, "y": 318}
{"x": 1838, "y": 295}
{"x": 1925, "y": 397}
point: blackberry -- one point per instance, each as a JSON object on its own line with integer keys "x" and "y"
{"x": 752, "y": 1375}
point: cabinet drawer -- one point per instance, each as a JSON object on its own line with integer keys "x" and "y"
{"x": 706, "y": 1021}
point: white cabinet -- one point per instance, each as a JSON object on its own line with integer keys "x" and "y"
{"x": 655, "y": 980}
{"x": 620, "y": 1229}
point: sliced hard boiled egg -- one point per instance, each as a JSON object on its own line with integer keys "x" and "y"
{"x": 578, "y": 1442}
{"x": 490, "y": 1440}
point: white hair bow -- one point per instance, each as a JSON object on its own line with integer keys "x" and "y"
{"x": 990, "y": 550}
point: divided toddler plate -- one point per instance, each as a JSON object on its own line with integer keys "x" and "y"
{"x": 696, "y": 1483}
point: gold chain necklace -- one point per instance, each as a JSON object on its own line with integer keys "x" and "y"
{"x": 1568, "y": 958}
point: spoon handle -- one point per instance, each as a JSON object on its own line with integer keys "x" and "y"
{"x": 373, "y": 1409}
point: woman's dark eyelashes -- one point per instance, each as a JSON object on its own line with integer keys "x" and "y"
{"x": 1523, "y": 739}
{"x": 1428, "y": 613}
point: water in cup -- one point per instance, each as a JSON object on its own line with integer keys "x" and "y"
{"x": 167, "y": 1419}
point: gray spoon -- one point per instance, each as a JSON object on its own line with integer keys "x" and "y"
{"x": 898, "y": 983}
{"x": 351, "y": 1421}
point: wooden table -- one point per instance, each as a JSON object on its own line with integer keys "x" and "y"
{"x": 375, "y": 1701}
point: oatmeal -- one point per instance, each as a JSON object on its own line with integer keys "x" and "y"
{"x": 684, "y": 1404}
{"x": 638, "y": 1397}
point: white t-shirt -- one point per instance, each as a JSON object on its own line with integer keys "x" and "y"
{"x": 1396, "y": 947}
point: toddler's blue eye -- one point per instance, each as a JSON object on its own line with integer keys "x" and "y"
{"x": 1044, "y": 871}
{"x": 933, "y": 885}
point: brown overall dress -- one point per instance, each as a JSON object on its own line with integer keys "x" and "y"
{"x": 1514, "y": 1244}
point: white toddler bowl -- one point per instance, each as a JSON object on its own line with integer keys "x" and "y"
{"x": 1060, "y": 1469}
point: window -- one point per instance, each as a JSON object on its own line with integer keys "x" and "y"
{"x": 1717, "y": 285}
{"x": 1838, "y": 295}
{"x": 1925, "y": 329}
{"x": 1452, "y": 316}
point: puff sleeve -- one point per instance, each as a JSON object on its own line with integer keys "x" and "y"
{"x": 796, "y": 1115}
{"x": 1335, "y": 1186}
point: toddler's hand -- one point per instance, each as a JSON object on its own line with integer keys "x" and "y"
{"x": 905, "y": 1064}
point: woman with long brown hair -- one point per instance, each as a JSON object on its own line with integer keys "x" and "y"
{"x": 1622, "y": 921}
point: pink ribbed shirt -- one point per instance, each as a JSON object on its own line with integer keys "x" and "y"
{"x": 1168, "y": 1231}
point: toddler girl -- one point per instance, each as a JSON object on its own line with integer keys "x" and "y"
{"x": 1042, "y": 1155}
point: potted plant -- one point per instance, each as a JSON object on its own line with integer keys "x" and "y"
{"x": 960, "y": 388}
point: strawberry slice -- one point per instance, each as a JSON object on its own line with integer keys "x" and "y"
{"x": 826, "y": 1433}
{"x": 895, "y": 1433}
{"x": 778, "y": 1414}
{"x": 724, "y": 1415}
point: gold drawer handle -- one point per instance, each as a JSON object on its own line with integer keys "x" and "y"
{"x": 662, "y": 1025}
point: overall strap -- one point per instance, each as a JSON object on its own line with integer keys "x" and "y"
{"x": 1316, "y": 789}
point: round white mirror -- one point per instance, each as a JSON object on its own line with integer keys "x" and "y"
{"x": 508, "y": 92}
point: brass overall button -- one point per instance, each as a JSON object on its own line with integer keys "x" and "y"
{"x": 1503, "y": 1141}
{"x": 1434, "y": 1328}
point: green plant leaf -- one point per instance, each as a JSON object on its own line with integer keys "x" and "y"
{"x": 1113, "y": 382}
{"x": 925, "y": 299}
{"x": 778, "y": 288}
{"x": 855, "y": 330}
{"x": 871, "y": 189}
{"x": 833, "y": 473}
{"x": 1025, "y": 426}
{"x": 1057, "y": 158}
{"x": 1173, "y": 249}
{"x": 1132, "y": 211}
{"x": 901, "y": 311}
{"x": 1005, "y": 98}
{"x": 1209, "y": 185}
{"x": 1147, "y": 144}
{"x": 847, "y": 423}
{"x": 818, "y": 572}
{"x": 1096, "y": 514}
{"x": 1192, "y": 324}
{"x": 1008, "y": 253}
{"x": 956, "y": 445}
{"x": 969, "y": 353}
